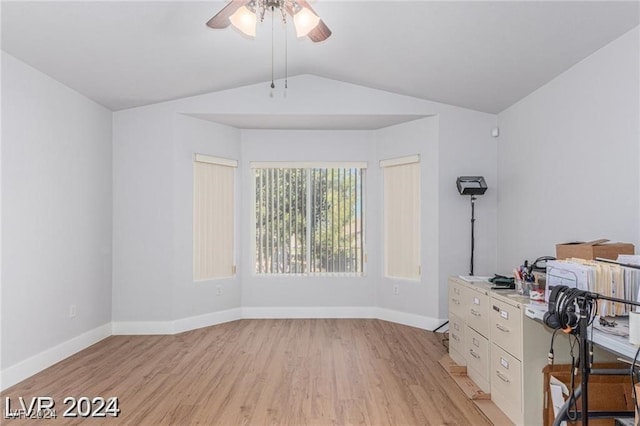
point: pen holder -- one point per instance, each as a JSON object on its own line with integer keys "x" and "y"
{"x": 522, "y": 287}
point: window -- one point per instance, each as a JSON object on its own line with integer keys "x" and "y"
{"x": 213, "y": 229}
{"x": 402, "y": 217}
{"x": 309, "y": 219}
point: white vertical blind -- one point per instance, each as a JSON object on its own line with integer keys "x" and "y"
{"x": 402, "y": 220}
{"x": 212, "y": 220}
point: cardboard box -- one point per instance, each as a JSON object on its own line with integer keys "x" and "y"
{"x": 593, "y": 249}
{"x": 606, "y": 393}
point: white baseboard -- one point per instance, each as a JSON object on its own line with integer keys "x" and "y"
{"x": 30, "y": 366}
{"x": 258, "y": 312}
{"x": 413, "y": 320}
{"x": 177, "y": 326}
{"x": 207, "y": 320}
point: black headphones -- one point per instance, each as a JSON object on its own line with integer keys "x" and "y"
{"x": 562, "y": 312}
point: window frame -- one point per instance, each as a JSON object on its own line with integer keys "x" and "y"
{"x": 307, "y": 165}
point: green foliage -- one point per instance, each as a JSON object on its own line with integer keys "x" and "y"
{"x": 295, "y": 205}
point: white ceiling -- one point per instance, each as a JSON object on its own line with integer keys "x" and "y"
{"x": 481, "y": 55}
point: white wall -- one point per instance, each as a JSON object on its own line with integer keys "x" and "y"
{"x": 416, "y": 137}
{"x": 467, "y": 149}
{"x": 455, "y": 144}
{"x": 191, "y": 136}
{"x": 142, "y": 216}
{"x": 568, "y": 158}
{"x": 151, "y": 208}
{"x": 153, "y": 218}
{"x": 56, "y": 214}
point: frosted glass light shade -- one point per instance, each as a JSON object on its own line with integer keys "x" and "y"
{"x": 244, "y": 20}
{"x": 304, "y": 21}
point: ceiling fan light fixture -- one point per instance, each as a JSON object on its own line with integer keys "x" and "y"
{"x": 245, "y": 20}
{"x": 305, "y": 21}
{"x": 244, "y": 15}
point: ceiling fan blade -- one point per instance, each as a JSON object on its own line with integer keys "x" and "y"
{"x": 320, "y": 33}
{"x": 221, "y": 19}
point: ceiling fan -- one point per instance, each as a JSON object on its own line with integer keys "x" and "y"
{"x": 243, "y": 14}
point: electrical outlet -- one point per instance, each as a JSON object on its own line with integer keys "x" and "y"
{"x": 396, "y": 289}
{"x": 72, "y": 311}
{"x": 218, "y": 290}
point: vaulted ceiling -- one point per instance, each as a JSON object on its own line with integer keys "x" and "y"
{"x": 480, "y": 55}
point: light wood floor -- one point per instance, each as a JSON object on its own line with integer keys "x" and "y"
{"x": 258, "y": 372}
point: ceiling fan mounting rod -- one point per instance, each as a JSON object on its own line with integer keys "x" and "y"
{"x": 263, "y": 5}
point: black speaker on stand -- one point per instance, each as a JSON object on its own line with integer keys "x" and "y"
{"x": 472, "y": 186}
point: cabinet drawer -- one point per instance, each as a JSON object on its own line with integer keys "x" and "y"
{"x": 477, "y": 355}
{"x": 506, "y": 327}
{"x": 457, "y": 357}
{"x": 476, "y": 310}
{"x": 456, "y": 335}
{"x": 456, "y": 298}
{"x": 506, "y": 383}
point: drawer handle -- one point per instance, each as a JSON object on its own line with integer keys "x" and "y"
{"x": 455, "y": 337}
{"x": 475, "y": 341}
{"x": 473, "y": 354}
{"x": 501, "y": 328}
{"x": 456, "y": 301}
{"x": 475, "y": 313}
{"x": 456, "y": 326}
{"x": 456, "y": 291}
{"x": 502, "y": 377}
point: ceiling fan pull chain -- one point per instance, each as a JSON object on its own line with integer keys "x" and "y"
{"x": 286, "y": 59}
{"x": 283, "y": 12}
{"x": 273, "y": 84}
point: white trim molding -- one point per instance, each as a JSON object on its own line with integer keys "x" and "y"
{"x": 410, "y": 159}
{"x": 404, "y": 318}
{"x": 30, "y": 366}
{"x": 201, "y": 158}
{"x": 207, "y": 320}
{"x": 286, "y": 312}
{"x": 177, "y": 326}
{"x": 308, "y": 164}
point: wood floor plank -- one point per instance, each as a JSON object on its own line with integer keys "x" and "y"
{"x": 263, "y": 372}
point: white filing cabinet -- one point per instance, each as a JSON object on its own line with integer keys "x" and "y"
{"x": 456, "y": 323}
{"x": 507, "y": 386}
{"x": 469, "y": 329}
{"x": 504, "y": 351}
